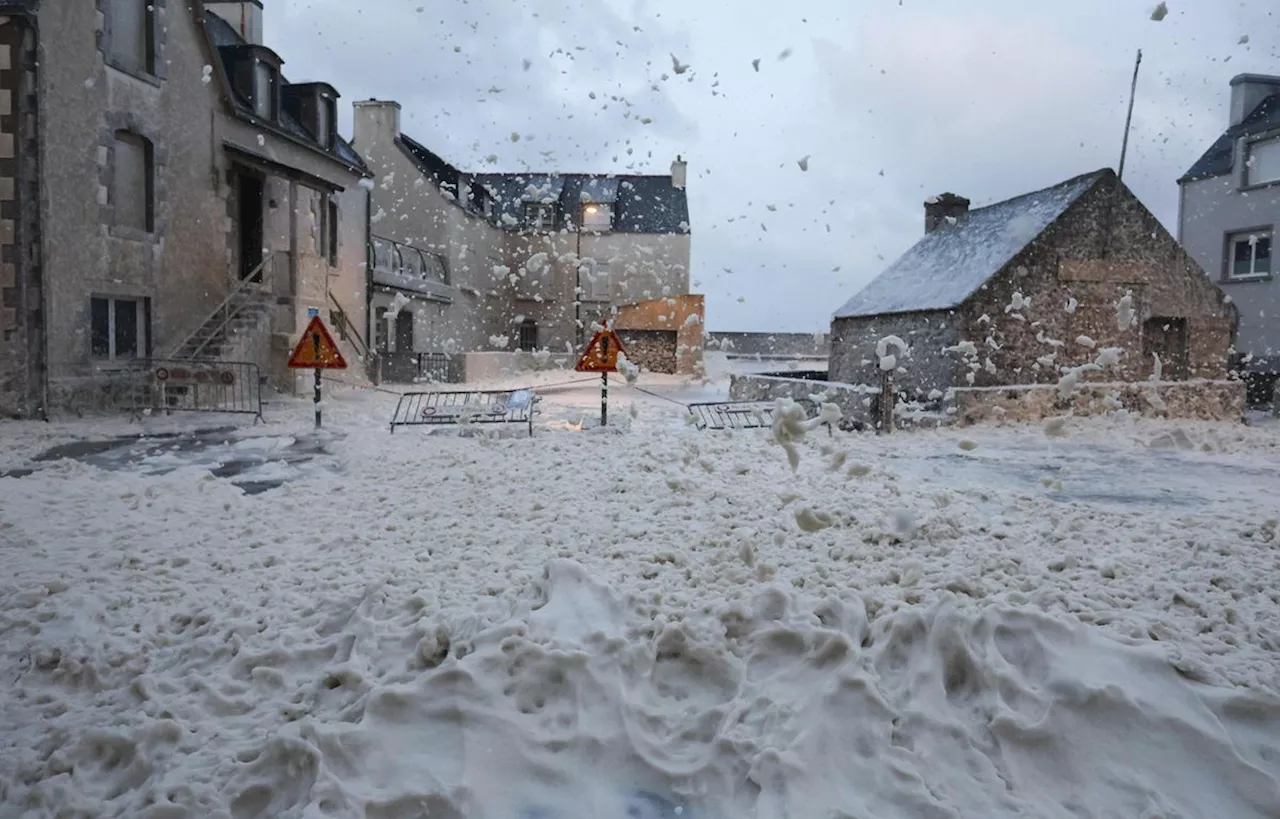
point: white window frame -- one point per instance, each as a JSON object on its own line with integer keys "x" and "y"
{"x": 540, "y": 215}
{"x": 599, "y": 281}
{"x": 1251, "y": 237}
{"x": 1272, "y": 146}
{"x": 140, "y": 314}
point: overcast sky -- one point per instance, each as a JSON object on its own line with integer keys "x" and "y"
{"x": 891, "y": 100}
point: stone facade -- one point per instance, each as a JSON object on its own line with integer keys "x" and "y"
{"x": 1054, "y": 307}
{"x": 500, "y": 278}
{"x": 117, "y": 221}
{"x": 21, "y": 273}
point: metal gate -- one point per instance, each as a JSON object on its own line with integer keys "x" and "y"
{"x": 176, "y": 385}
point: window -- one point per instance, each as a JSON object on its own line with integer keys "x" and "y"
{"x": 1249, "y": 256}
{"x": 597, "y": 216}
{"x": 1262, "y": 162}
{"x": 117, "y": 328}
{"x": 528, "y": 335}
{"x": 540, "y": 215}
{"x": 383, "y": 254}
{"x": 596, "y": 280}
{"x": 132, "y": 185}
{"x": 266, "y": 91}
{"x": 329, "y": 233}
{"x": 132, "y": 33}
{"x": 380, "y": 329}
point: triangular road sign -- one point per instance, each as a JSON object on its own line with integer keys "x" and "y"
{"x": 317, "y": 349}
{"x": 601, "y": 355}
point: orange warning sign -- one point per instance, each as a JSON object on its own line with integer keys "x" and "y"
{"x": 316, "y": 349}
{"x": 601, "y": 355}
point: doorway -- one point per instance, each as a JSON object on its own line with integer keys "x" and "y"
{"x": 250, "y": 189}
{"x": 1167, "y": 339}
{"x": 404, "y": 331}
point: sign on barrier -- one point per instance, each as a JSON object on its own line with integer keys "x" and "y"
{"x": 465, "y": 407}
{"x": 177, "y": 385}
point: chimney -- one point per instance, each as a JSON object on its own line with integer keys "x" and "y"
{"x": 938, "y": 209}
{"x": 1247, "y": 91}
{"x": 679, "y": 173}
{"x": 377, "y": 122}
{"x": 245, "y": 16}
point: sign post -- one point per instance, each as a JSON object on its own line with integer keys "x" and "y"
{"x": 317, "y": 350}
{"x": 601, "y": 356}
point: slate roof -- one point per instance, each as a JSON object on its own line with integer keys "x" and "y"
{"x": 642, "y": 204}
{"x": 1220, "y": 158}
{"x": 225, "y": 38}
{"x": 948, "y": 265}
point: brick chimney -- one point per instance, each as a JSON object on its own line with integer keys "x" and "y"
{"x": 245, "y": 16}
{"x": 938, "y": 209}
{"x": 1247, "y": 91}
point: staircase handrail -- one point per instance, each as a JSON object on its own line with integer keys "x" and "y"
{"x": 224, "y": 308}
{"x": 349, "y": 328}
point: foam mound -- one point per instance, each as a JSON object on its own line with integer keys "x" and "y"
{"x": 582, "y": 704}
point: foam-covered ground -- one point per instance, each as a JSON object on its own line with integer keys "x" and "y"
{"x": 988, "y": 622}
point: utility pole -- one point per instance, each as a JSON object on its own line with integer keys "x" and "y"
{"x": 1128, "y": 120}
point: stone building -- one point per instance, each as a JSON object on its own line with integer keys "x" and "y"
{"x": 1027, "y": 290}
{"x": 160, "y": 172}
{"x": 1229, "y": 216}
{"x": 470, "y": 262}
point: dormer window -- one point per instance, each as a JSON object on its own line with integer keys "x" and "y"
{"x": 540, "y": 215}
{"x": 315, "y": 106}
{"x": 597, "y": 217}
{"x": 1262, "y": 162}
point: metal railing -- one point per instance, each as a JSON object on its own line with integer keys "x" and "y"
{"x": 181, "y": 385}
{"x": 741, "y": 414}
{"x": 465, "y": 407}
{"x": 216, "y": 323}
{"x": 346, "y": 328}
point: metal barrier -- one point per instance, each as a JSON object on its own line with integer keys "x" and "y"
{"x": 741, "y": 414}
{"x": 176, "y": 385}
{"x": 465, "y": 407}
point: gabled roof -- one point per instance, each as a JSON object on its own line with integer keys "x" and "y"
{"x": 948, "y": 265}
{"x": 226, "y": 40}
{"x": 1220, "y": 158}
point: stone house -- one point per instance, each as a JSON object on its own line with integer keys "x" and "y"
{"x": 472, "y": 262}
{"x": 1229, "y": 216}
{"x": 1027, "y": 290}
{"x": 157, "y": 159}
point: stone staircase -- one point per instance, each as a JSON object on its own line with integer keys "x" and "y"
{"x": 217, "y": 337}
{"x": 240, "y": 315}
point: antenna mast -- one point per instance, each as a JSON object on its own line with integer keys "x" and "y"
{"x": 1128, "y": 120}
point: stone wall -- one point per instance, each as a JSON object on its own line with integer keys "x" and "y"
{"x": 653, "y": 350}
{"x": 856, "y": 401}
{"x": 685, "y": 316}
{"x": 1204, "y": 400}
{"x": 1104, "y": 247}
{"x": 924, "y": 368}
{"x": 782, "y": 345}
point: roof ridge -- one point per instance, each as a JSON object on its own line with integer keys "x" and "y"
{"x": 1100, "y": 173}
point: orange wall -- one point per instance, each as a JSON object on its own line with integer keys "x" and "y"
{"x": 671, "y": 313}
